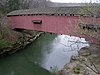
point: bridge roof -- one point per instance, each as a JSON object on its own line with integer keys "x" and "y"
{"x": 51, "y": 10}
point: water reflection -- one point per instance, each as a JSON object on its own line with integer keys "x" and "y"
{"x": 60, "y": 51}
{"x": 49, "y": 51}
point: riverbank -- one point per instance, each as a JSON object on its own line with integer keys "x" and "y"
{"x": 26, "y": 38}
{"x": 86, "y": 63}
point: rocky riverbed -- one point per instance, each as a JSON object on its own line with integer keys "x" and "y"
{"x": 26, "y": 38}
{"x": 86, "y": 63}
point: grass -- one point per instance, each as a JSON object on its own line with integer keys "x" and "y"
{"x": 8, "y": 37}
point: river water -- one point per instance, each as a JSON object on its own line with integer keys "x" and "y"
{"x": 49, "y": 52}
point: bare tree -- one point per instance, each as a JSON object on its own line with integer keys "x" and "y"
{"x": 90, "y": 30}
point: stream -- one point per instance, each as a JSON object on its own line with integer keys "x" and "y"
{"x": 49, "y": 52}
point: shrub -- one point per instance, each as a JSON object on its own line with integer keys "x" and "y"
{"x": 77, "y": 69}
{"x": 4, "y": 43}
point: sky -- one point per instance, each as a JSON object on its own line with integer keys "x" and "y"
{"x": 75, "y": 1}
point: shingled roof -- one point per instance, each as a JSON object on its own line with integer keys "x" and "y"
{"x": 51, "y": 10}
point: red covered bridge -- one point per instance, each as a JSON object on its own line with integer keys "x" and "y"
{"x": 63, "y": 20}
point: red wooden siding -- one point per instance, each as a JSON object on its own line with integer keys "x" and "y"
{"x": 55, "y": 24}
